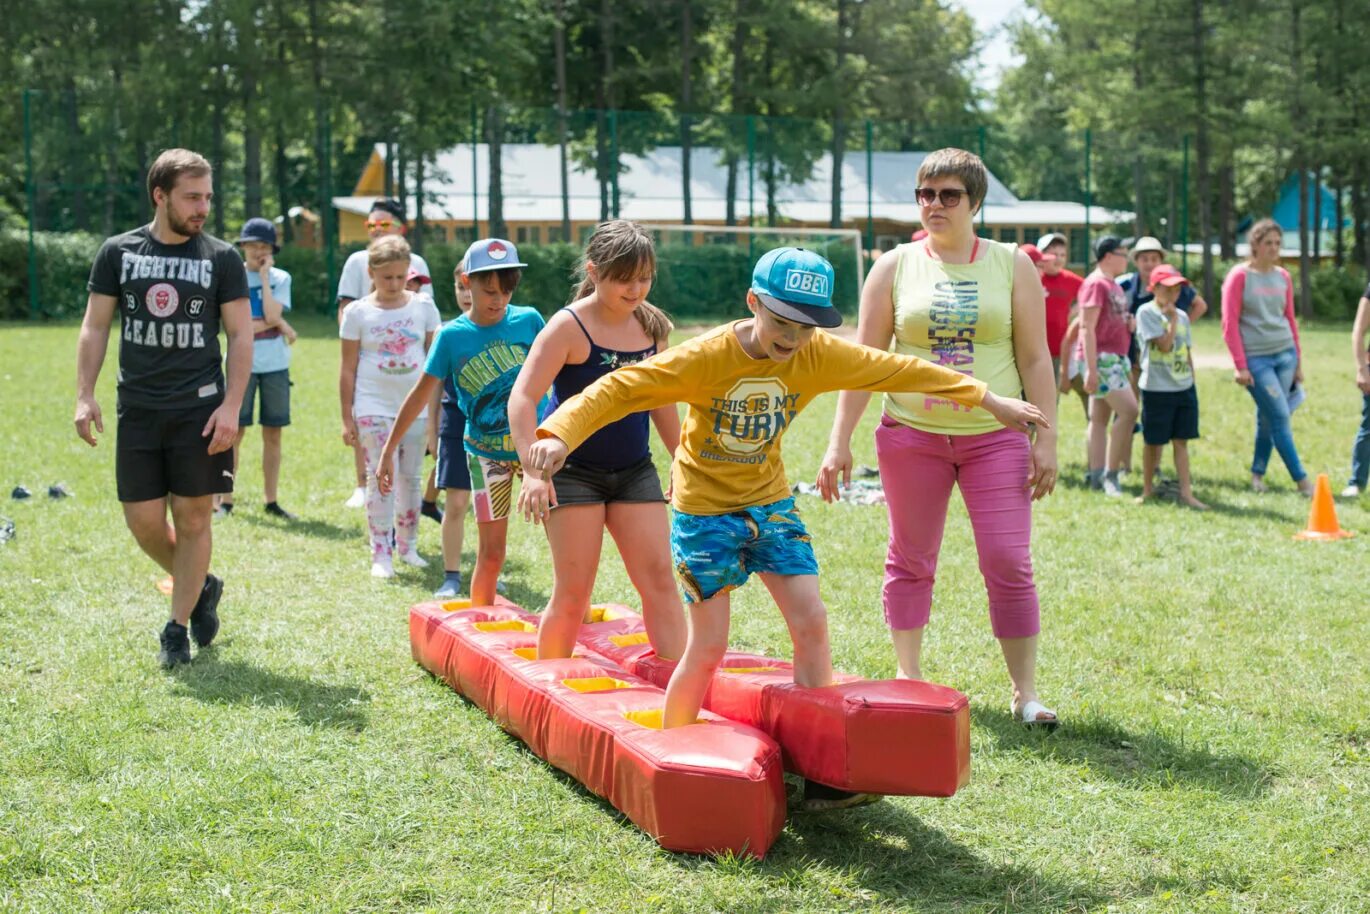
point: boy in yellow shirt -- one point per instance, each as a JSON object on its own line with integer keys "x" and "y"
{"x": 744, "y": 384}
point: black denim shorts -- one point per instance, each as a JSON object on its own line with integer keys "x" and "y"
{"x": 583, "y": 485}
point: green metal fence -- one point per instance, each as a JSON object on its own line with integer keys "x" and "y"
{"x": 86, "y": 157}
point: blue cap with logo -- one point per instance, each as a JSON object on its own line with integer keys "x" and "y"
{"x": 491, "y": 254}
{"x": 259, "y": 230}
{"x": 797, "y": 285}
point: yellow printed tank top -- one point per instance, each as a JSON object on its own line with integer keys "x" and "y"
{"x": 959, "y": 316}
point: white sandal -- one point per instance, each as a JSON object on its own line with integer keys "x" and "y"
{"x": 1030, "y": 715}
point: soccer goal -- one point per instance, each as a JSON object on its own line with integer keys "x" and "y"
{"x": 705, "y": 270}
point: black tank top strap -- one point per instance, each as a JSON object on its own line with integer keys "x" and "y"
{"x": 576, "y": 318}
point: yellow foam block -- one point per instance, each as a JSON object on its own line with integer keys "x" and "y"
{"x": 629, "y": 640}
{"x": 452, "y": 606}
{"x": 531, "y": 653}
{"x": 511, "y": 625}
{"x": 599, "y": 612}
{"x": 750, "y": 669}
{"x": 596, "y": 684}
{"x": 650, "y": 718}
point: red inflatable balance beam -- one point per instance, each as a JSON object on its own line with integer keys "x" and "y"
{"x": 904, "y": 737}
{"x": 712, "y": 788}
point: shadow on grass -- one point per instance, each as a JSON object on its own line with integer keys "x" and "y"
{"x": 301, "y": 525}
{"x": 233, "y": 682}
{"x": 1202, "y": 488}
{"x": 1280, "y": 485}
{"x": 889, "y": 851}
{"x": 1172, "y": 502}
{"x": 1251, "y": 511}
{"x": 1146, "y": 758}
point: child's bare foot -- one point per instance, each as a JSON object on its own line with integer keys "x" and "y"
{"x": 1143, "y": 498}
{"x": 1193, "y": 502}
{"x": 1258, "y": 484}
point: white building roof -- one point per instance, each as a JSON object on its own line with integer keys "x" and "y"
{"x": 650, "y": 189}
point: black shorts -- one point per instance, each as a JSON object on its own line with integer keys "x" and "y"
{"x": 452, "y": 424}
{"x": 1170, "y": 415}
{"x": 581, "y": 485}
{"x": 162, "y": 450}
{"x": 275, "y": 388}
{"x": 453, "y": 473}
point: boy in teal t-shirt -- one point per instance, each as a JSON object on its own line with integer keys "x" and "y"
{"x": 481, "y": 352}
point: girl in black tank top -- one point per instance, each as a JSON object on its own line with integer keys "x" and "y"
{"x": 609, "y": 482}
{"x": 619, "y": 444}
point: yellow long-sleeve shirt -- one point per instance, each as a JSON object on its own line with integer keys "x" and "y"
{"x": 739, "y": 407}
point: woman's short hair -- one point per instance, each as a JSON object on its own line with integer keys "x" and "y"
{"x": 957, "y": 163}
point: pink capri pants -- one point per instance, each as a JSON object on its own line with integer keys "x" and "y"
{"x": 918, "y": 470}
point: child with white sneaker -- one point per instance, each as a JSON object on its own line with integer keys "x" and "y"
{"x": 385, "y": 340}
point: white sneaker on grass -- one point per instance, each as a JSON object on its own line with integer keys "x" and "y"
{"x": 412, "y": 557}
{"x": 1111, "y": 487}
{"x": 382, "y": 568}
{"x": 358, "y": 498}
{"x": 1351, "y": 491}
{"x": 450, "y": 589}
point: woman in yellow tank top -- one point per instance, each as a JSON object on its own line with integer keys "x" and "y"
{"x": 976, "y": 306}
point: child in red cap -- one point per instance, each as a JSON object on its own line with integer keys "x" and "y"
{"x": 1170, "y": 405}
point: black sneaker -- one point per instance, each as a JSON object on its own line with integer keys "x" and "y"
{"x": 820, "y": 797}
{"x": 275, "y": 510}
{"x": 224, "y": 509}
{"x": 175, "y": 645}
{"x": 431, "y": 510}
{"x": 204, "y": 618}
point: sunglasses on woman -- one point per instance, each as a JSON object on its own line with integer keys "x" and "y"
{"x": 948, "y": 196}
{"x": 379, "y": 223}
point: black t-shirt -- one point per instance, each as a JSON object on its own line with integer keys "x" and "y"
{"x": 169, "y": 297}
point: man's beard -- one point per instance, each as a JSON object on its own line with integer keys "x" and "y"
{"x": 187, "y": 228}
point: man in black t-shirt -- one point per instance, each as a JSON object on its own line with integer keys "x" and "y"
{"x": 172, "y": 285}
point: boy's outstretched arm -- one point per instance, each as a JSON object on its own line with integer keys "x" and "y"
{"x": 874, "y": 328}
{"x": 545, "y": 457}
{"x": 1019, "y": 415}
{"x": 858, "y": 367}
{"x": 658, "y": 381}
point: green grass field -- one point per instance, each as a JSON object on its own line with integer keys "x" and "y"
{"x": 1211, "y": 672}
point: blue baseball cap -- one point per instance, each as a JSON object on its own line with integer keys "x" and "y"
{"x": 797, "y": 285}
{"x": 491, "y": 254}
{"x": 259, "y": 229}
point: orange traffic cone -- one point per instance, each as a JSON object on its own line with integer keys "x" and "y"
{"x": 1322, "y": 516}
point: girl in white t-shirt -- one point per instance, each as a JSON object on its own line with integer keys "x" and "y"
{"x": 385, "y": 338}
